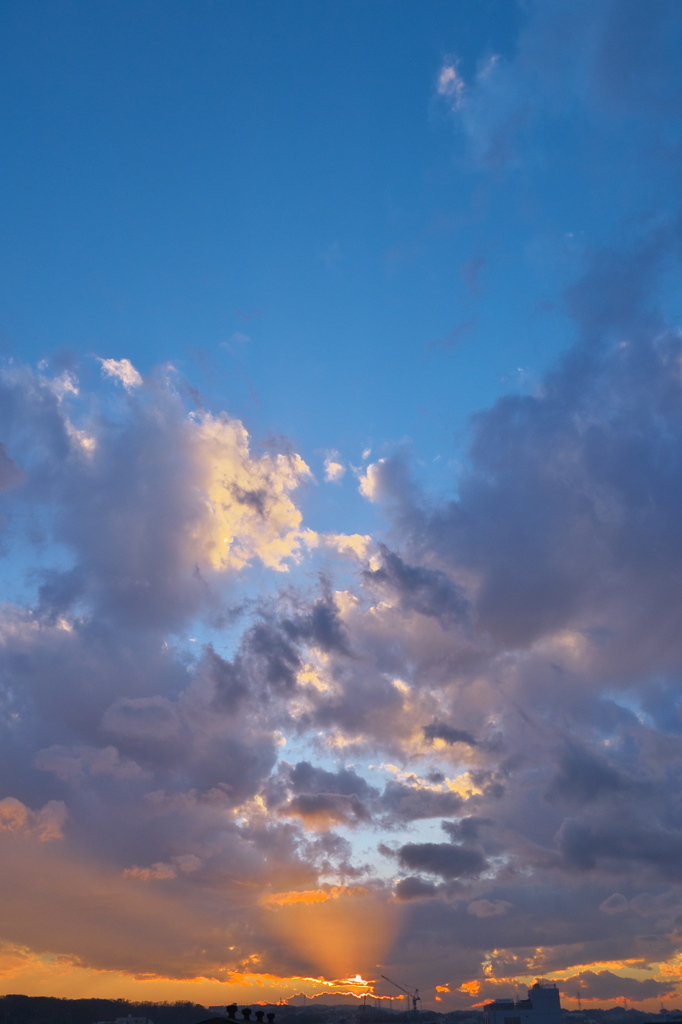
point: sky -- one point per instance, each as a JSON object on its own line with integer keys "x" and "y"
{"x": 341, "y": 499}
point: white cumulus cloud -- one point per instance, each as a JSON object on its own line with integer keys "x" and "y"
{"x": 333, "y": 469}
{"x": 123, "y": 371}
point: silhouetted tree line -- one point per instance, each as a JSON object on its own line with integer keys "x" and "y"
{"x": 48, "y": 1010}
{"x": 17, "y": 1009}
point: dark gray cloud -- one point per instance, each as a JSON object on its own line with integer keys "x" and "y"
{"x": 319, "y": 796}
{"x": 444, "y": 859}
{"x": 269, "y": 655}
{"x": 306, "y": 778}
{"x": 320, "y": 625}
{"x": 409, "y": 803}
{"x": 419, "y": 589}
{"x": 583, "y": 776}
{"x": 441, "y": 731}
{"x": 415, "y": 888}
{"x": 227, "y": 677}
{"x": 466, "y": 829}
{"x": 607, "y": 985}
{"x": 622, "y": 842}
{"x": 587, "y": 476}
{"x": 273, "y": 657}
{"x": 327, "y": 807}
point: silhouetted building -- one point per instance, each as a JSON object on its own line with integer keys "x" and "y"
{"x": 541, "y": 1007}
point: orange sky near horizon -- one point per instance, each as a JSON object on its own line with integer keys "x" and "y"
{"x": 26, "y": 973}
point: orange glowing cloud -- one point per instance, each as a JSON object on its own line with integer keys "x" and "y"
{"x": 472, "y": 988}
{"x": 446, "y": 988}
{"x": 599, "y": 965}
{"x": 282, "y": 899}
{"x": 45, "y": 824}
{"x": 672, "y": 968}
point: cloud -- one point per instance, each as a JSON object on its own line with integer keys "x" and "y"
{"x": 322, "y": 810}
{"x": 355, "y": 544}
{"x": 450, "y": 735}
{"x": 444, "y": 859}
{"x": 606, "y": 985}
{"x": 154, "y": 873}
{"x": 306, "y": 778}
{"x": 45, "y": 824}
{"x": 618, "y": 844}
{"x": 333, "y": 469}
{"x": 615, "y": 904}
{"x": 270, "y": 654}
{"x": 451, "y": 84}
{"x": 413, "y": 802}
{"x": 236, "y": 341}
{"x": 488, "y": 908}
{"x": 148, "y": 718}
{"x": 582, "y": 777}
{"x": 509, "y": 661}
{"x": 10, "y": 474}
{"x": 248, "y": 509}
{"x": 163, "y": 501}
{"x": 123, "y": 371}
{"x": 415, "y": 888}
{"x": 511, "y": 647}
{"x": 335, "y": 892}
{"x": 322, "y": 798}
{"x": 70, "y": 763}
{"x": 370, "y": 482}
{"x": 186, "y": 863}
{"x": 418, "y": 588}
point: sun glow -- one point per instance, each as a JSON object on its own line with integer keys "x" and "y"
{"x": 336, "y": 931}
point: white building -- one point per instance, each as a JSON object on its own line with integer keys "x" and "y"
{"x": 541, "y": 1007}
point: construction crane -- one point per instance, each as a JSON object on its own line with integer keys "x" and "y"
{"x": 413, "y": 995}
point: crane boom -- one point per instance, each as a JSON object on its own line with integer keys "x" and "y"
{"x": 413, "y": 995}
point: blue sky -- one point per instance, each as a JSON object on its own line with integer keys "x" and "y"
{"x": 340, "y": 488}
{"x": 180, "y": 177}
